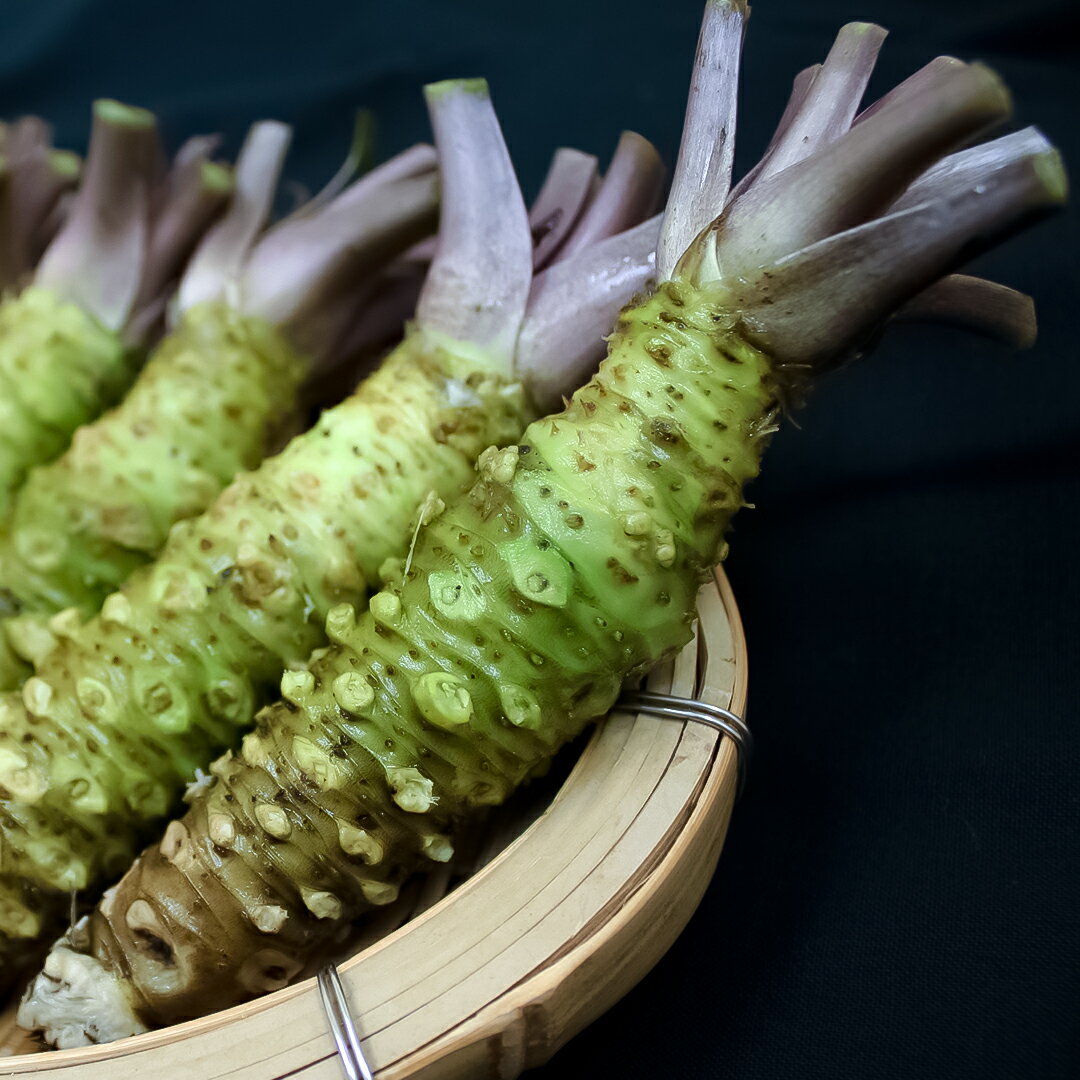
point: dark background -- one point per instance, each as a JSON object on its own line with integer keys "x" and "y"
{"x": 898, "y": 894}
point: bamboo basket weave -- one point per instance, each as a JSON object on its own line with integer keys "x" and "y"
{"x": 572, "y": 903}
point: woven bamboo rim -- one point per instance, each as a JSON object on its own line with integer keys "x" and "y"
{"x": 499, "y": 973}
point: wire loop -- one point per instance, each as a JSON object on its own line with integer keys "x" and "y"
{"x": 342, "y": 1028}
{"x": 678, "y": 708}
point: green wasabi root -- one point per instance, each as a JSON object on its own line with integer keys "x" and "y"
{"x": 59, "y": 368}
{"x": 573, "y": 563}
{"x": 211, "y": 402}
{"x": 97, "y": 746}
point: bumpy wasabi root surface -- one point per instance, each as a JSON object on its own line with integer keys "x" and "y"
{"x": 224, "y": 382}
{"x": 59, "y": 368}
{"x": 573, "y": 562}
{"x": 98, "y": 744}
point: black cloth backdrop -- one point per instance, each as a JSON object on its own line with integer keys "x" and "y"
{"x": 898, "y": 893}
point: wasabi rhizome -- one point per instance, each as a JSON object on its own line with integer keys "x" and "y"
{"x": 573, "y": 561}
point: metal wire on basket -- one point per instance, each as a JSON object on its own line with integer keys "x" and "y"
{"x": 678, "y": 708}
{"x": 340, "y": 1022}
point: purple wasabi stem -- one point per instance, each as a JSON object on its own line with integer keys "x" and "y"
{"x": 40, "y": 176}
{"x": 860, "y": 175}
{"x": 928, "y": 77}
{"x": 824, "y": 301}
{"x": 822, "y": 104}
{"x": 631, "y": 190}
{"x": 97, "y": 258}
{"x": 392, "y": 301}
{"x": 702, "y": 176}
{"x": 417, "y": 160}
{"x": 44, "y": 197}
{"x": 219, "y": 257}
{"x": 412, "y": 162}
{"x": 560, "y": 202}
{"x": 971, "y": 303}
{"x": 573, "y": 305}
{"x": 285, "y": 252}
{"x": 597, "y": 280}
{"x": 471, "y": 296}
{"x": 800, "y": 87}
{"x": 378, "y": 319}
{"x": 65, "y": 169}
{"x": 10, "y": 262}
{"x": 966, "y": 166}
{"x": 978, "y": 306}
{"x": 828, "y": 101}
{"x": 303, "y": 275}
{"x": 197, "y": 190}
{"x": 196, "y": 148}
{"x": 483, "y": 250}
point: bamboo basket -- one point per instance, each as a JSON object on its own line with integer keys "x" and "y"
{"x": 573, "y": 902}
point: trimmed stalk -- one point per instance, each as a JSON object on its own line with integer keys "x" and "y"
{"x": 702, "y": 177}
{"x": 970, "y": 165}
{"x": 198, "y": 191}
{"x": 630, "y": 191}
{"x": 195, "y": 148}
{"x": 929, "y": 77}
{"x": 44, "y": 202}
{"x": 10, "y": 260}
{"x": 977, "y": 305}
{"x": 864, "y": 171}
{"x": 800, "y": 87}
{"x": 560, "y": 202}
{"x": 496, "y": 304}
{"x": 63, "y": 163}
{"x": 308, "y": 262}
{"x": 40, "y": 176}
{"x": 222, "y": 252}
{"x": 828, "y": 100}
{"x": 96, "y": 262}
{"x": 556, "y": 351}
{"x": 417, "y": 160}
{"x": 825, "y": 301}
